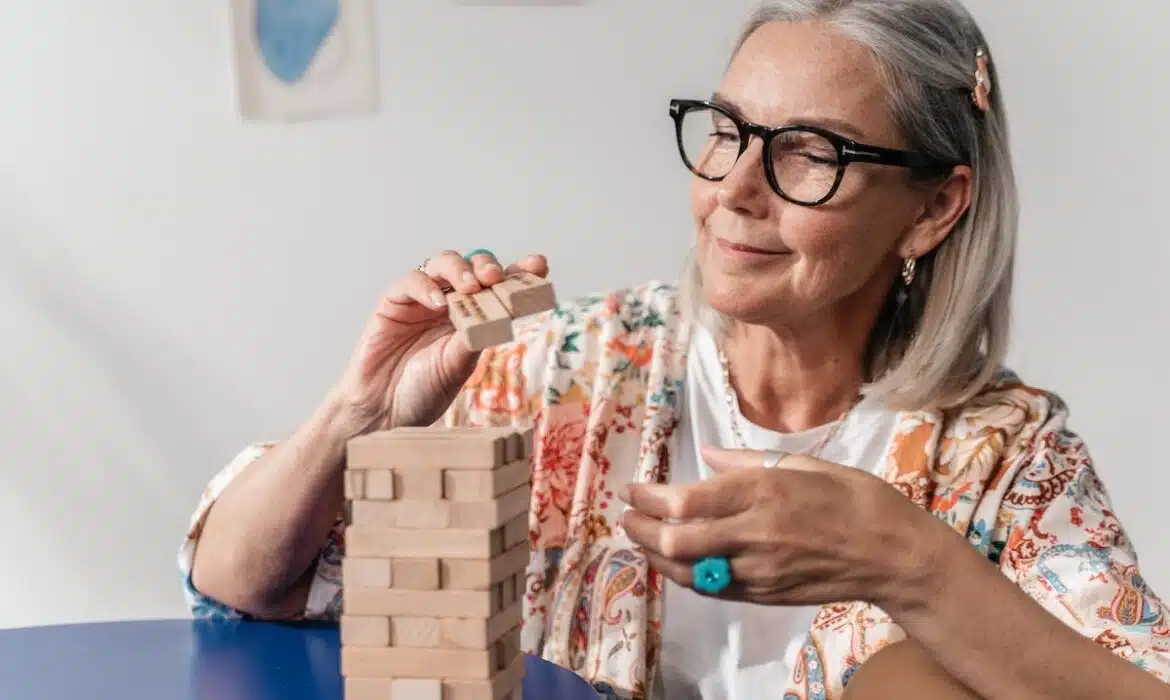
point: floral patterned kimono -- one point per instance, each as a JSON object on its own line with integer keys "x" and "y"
{"x": 601, "y": 380}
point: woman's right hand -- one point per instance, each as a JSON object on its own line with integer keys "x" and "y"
{"x": 409, "y": 365}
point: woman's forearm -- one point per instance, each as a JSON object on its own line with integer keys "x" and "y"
{"x": 263, "y": 535}
{"x": 990, "y": 635}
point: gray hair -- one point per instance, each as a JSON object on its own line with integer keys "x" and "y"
{"x": 950, "y": 336}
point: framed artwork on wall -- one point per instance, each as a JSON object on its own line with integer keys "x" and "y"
{"x": 299, "y": 60}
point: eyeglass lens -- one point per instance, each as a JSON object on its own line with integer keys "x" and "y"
{"x": 803, "y": 163}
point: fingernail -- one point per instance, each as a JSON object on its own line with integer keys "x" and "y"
{"x": 469, "y": 278}
{"x": 624, "y": 494}
{"x": 438, "y": 300}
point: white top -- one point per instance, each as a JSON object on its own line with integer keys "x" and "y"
{"x": 717, "y": 650}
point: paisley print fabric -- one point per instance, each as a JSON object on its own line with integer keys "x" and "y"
{"x": 600, "y": 380}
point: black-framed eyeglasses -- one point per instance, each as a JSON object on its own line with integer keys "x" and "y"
{"x": 803, "y": 164}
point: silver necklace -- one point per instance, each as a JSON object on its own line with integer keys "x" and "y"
{"x": 732, "y": 399}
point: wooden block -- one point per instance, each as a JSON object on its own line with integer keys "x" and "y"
{"x": 508, "y": 648}
{"x": 418, "y": 483}
{"x": 465, "y": 633}
{"x": 414, "y": 632}
{"x": 393, "y": 602}
{"x": 516, "y": 531}
{"x": 365, "y": 631}
{"x": 436, "y": 515}
{"x": 406, "y": 662}
{"x": 480, "y": 318}
{"x": 528, "y": 442}
{"x": 355, "y": 485}
{"x": 514, "y": 448}
{"x": 480, "y": 575}
{"x": 498, "y": 596}
{"x": 523, "y": 294}
{"x": 515, "y": 442}
{"x": 373, "y": 513}
{"x": 379, "y": 485}
{"x": 451, "y": 433}
{"x": 445, "y": 448}
{"x": 368, "y": 689}
{"x": 372, "y": 573}
{"x": 511, "y": 505}
{"x": 465, "y": 485}
{"x": 417, "y": 689}
{"x": 497, "y": 688}
{"x": 361, "y": 541}
{"x": 509, "y": 585}
{"x": 426, "y": 515}
{"x": 496, "y": 541}
{"x": 415, "y": 574}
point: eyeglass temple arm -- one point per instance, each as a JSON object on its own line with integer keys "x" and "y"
{"x": 862, "y": 153}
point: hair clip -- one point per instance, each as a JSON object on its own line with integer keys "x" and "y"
{"x": 981, "y": 95}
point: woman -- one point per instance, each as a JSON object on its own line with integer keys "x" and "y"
{"x": 818, "y": 408}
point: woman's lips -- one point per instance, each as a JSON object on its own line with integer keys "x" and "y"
{"x": 743, "y": 250}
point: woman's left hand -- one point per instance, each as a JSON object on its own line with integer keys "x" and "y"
{"x": 805, "y": 532}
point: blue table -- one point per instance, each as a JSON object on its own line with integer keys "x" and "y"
{"x": 201, "y": 660}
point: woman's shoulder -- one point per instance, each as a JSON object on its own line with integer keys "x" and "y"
{"x": 1010, "y": 399}
{"x": 1006, "y": 420}
{"x": 1009, "y": 420}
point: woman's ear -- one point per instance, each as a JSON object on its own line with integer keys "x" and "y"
{"x": 944, "y": 205}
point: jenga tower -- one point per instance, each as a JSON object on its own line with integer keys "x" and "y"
{"x": 434, "y": 571}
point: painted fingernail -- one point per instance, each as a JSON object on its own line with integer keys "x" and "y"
{"x": 438, "y": 300}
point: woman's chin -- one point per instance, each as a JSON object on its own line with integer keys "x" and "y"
{"x": 746, "y": 308}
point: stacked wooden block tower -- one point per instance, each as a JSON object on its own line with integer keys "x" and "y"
{"x": 437, "y": 543}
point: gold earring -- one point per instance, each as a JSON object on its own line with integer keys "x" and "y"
{"x": 908, "y": 270}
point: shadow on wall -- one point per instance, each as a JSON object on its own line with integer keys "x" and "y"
{"x": 98, "y": 404}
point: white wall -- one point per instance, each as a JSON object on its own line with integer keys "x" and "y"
{"x": 174, "y": 283}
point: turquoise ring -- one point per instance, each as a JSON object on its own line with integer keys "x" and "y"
{"x": 478, "y": 251}
{"x": 711, "y": 575}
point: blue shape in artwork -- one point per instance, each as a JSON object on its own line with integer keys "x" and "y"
{"x": 290, "y": 32}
